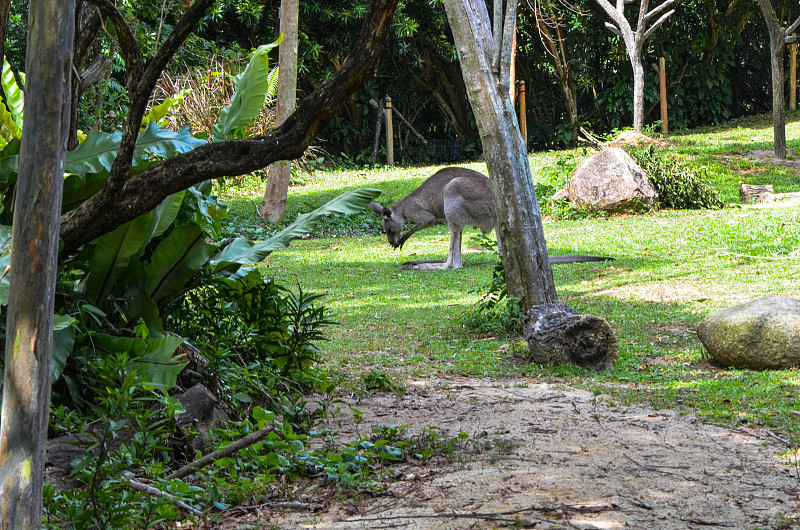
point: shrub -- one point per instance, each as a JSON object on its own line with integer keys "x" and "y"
{"x": 678, "y": 186}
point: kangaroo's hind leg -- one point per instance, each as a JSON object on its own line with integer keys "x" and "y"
{"x": 454, "y": 254}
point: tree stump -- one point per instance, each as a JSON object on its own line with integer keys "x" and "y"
{"x": 557, "y": 333}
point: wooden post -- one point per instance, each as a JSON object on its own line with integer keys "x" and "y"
{"x": 523, "y": 112}
{"x": 662, "y": 82}
{"x": 793, "y": 79}
{"x": 387, "y": 115}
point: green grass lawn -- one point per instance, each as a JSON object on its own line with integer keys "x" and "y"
{"x": 671, "y": 269}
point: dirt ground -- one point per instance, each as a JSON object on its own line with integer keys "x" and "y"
{"x": 549, "y": 457}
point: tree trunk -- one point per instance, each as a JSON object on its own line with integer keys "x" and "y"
{"x": 777, "y": 44}
{"x": 29, "y": 335}
{"x": 778, "y": 105}
{"x": 277, "y": 189}
{"x": 638, "y": 90}
{"x": 527, "y": 268}
{"x": 634, "y": 43}
{"x": 5, "y": 11}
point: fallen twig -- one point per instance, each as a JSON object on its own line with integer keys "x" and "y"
{"x": 155, "y": 492}
{"x": 248, "y": 440}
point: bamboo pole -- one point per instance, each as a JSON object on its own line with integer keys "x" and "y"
{"x": 793, "y": 79}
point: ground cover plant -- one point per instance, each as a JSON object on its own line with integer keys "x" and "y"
{"x": 671, "y": 268}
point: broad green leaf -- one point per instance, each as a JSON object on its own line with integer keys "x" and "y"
{"x": 15, "y": 96}
{"x": 111, "y": 255}
{"x": 152, "y": 358}
{"x": 79, "y": 188}
{"x": 347, "y": 203}
{"x": 63, "y": 341}
{"x": 140, "y": 305}
{"x": 155, "y": 140}
{"x": 95, "y": 154}
{"x": 164, "y": 214}
{"x": 160, "y": 111}
{"x": 98, "y": 151}
{"x": 176, "y": 260}
{"x": 252, "y": 86}
{"x": 8, "y": 164}
{"x": 10, "y": 129}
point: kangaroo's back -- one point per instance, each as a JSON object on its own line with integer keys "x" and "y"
{"x": 429, "y": 197}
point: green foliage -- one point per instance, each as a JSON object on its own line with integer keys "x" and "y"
{"x": 252, "y": 87}
{"x": 257, "y": 336}
{"x": 678, "y": 186}
{"x": 495, "y": 312}
{"x": 130, "y": 435}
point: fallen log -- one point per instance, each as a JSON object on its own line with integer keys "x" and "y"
{"x": 758, "y": 193}
{"x": 556, "y": 333}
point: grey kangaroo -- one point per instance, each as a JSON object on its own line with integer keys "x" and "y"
{"x": 459, "y": 195}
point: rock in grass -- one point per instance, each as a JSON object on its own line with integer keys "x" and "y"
{"x": 611, "y": 181}
{"x": 762, "y": 334}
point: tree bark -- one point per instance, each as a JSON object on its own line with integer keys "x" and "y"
{"x": 557, "y": 333}
{"x": 527, "y": 268}
{"x": 126, "y": 197}
{"x": 778, "y": 37}
{"x": 277, "y": 189}
{"x": 26, "y": 392}
{"x": 5, "y": 11}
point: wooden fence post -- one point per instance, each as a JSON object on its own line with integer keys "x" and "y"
{"x": 662, "y": 82}
{"x": 387, "y": 114}
{"x": 523, "y": 114}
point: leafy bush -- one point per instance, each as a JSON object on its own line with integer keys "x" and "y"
{"x": 678, "y": 186}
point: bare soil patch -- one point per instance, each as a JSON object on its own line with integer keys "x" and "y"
{"x": 543, "y": 456}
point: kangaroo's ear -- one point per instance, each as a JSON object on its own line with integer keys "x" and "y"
{"x": 376, "y": 208}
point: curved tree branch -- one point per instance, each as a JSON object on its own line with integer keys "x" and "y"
{"x": 128, "y": 45}
{"x": 141, "y": 193}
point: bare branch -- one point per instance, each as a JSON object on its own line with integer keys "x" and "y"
{"x": 614, "y": 29}
{"x": 128, "y": 45}
{"x": 791, "y": 29}
{"x": 656, "y": 24}
{"x": 238, "y": 445}
{"x": 506, "y": 52}
{"x": 155, "y": 492}
{"x": 657, "y": 10}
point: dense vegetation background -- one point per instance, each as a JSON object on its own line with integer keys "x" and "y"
{"x": 716, "y": 53}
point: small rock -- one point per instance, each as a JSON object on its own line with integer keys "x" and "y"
{"x": 762, "y": 334}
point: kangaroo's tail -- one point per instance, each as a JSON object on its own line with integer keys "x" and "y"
{"x": 574, "y": 258}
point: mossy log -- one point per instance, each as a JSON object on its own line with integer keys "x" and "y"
{"x": 556, "y": 333}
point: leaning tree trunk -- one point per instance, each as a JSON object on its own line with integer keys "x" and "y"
{"x": 29, "y": 329}
{"x": 527, "y": 268}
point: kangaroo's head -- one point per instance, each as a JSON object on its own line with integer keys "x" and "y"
{"x": 391, "y": 222}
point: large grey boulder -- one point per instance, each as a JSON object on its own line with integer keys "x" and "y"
{"x": 761, "y": 334}
{"x": 611, "y": 181}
